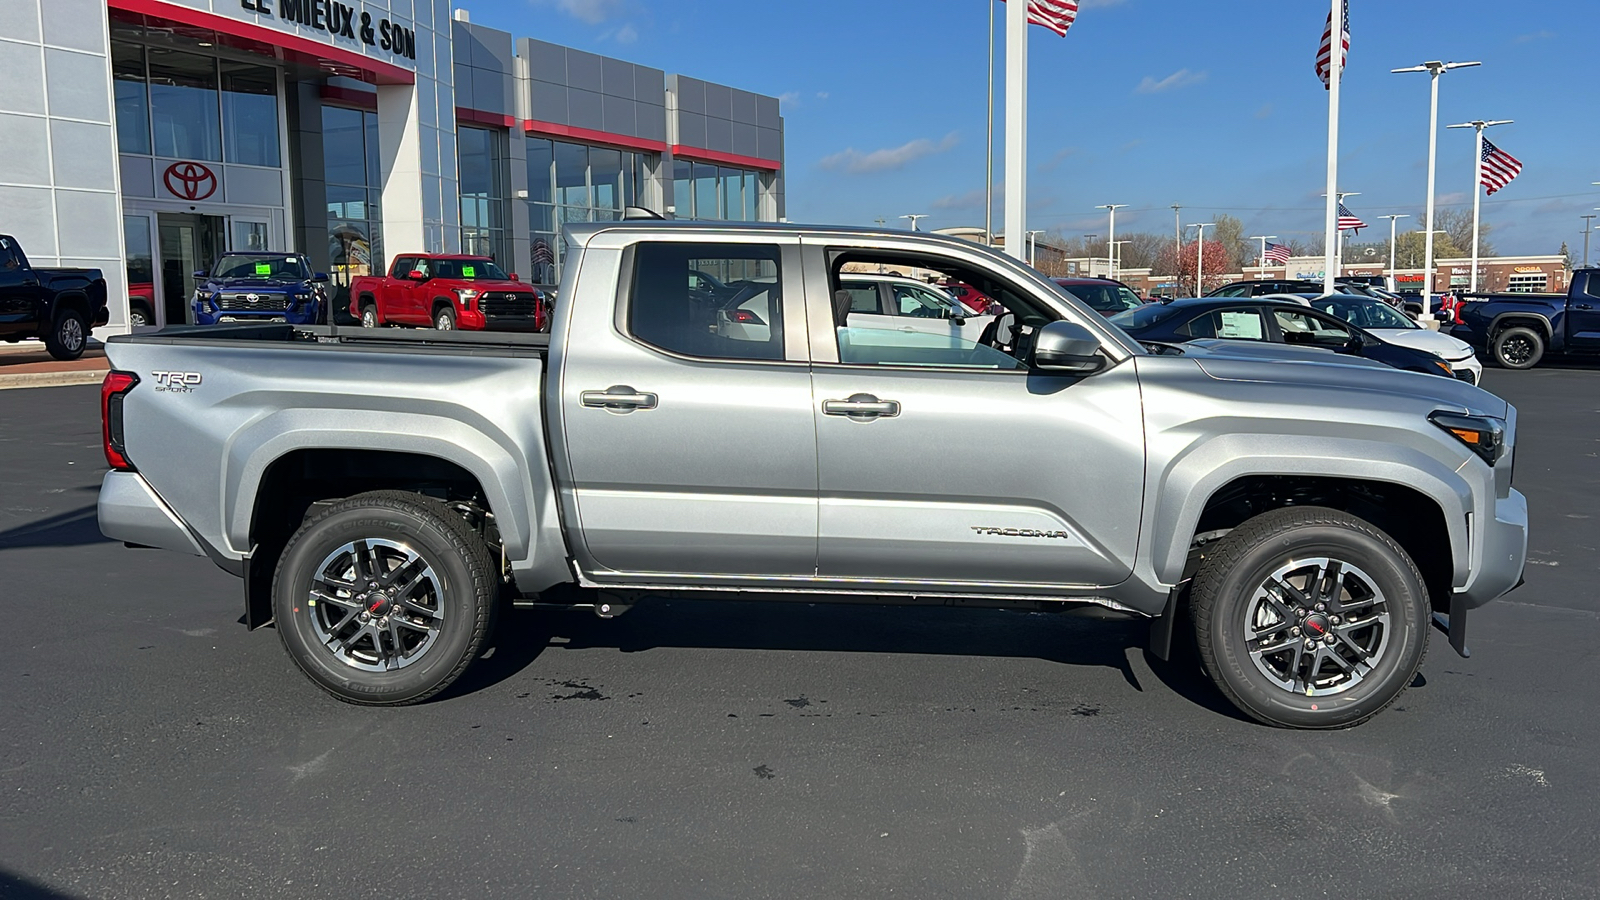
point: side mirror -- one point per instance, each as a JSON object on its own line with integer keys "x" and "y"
{"x": 416, "y": 275}
{"x": 1354, "y": 344}
{"x": 320, "y": 277}
{"x": 1067, "y": 347}
{"x": 202, "y": 275}
{"x": 515, "y": 277}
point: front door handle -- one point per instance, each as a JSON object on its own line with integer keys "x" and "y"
{"x": 1585, "y": 306}
{"x": 861, "y": 408}
{"x": 619, "y": 398}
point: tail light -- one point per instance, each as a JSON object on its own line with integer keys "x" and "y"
{"x": 112, "y": 392}
{"x": 744, "y": 317}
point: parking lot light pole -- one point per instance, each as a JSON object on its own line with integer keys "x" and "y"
{"x": 1033, "y": 246}
{"x": 1477, "y": 125}
{"x": 1111, "y": 236}
{"x": 1263, "y": 238}
{"x": 1200, "y": 257}
{"x": 1338, "y": 240}
{"x": 915, "y": 218}
{"x": 1392, "y": 219}
{"x": 1434, "y": 68}
{"x": 1588, "y": 226}
{"x": 1116, "y": 256}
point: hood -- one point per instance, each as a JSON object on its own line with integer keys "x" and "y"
{"x": 1222, "y": 348}
{"x": 258, "y": 285}
{"x": 1345, "y": 373}
{"x": 1441, "y": 345}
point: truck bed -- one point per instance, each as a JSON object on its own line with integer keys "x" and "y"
{"x": 472, "y": 343}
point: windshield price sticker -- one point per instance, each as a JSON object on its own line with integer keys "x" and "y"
{"x": 263, "y": 268}
{"x": 469, "y": 272}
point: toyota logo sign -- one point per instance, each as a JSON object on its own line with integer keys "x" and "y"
{"x": 190, "y": 180}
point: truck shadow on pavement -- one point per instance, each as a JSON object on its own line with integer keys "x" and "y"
{"x": 1069, "y": 639}
{"x": 15, "y": 887}
{"x": 74, "y": 528}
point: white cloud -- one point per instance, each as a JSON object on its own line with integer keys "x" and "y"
{"x": 972, "y": 199}
{"x": 888, "y": 159}
{"x": 1265, "y": 112}
{"x": 1178, "y": 79}
{"x": 789, "y": 98}
{"x": 1536, "y": 36}
{"x": 592, "y": 11}
{"x": 627, "y": 34}
{"x": 822, "y": 95}
{"x": 1054, "y": 162}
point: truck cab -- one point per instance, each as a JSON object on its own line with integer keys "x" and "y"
{"x": 1517, "y": 330}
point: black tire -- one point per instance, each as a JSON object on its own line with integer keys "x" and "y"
{"x": 1229, "y": 596}
{"x": 1518, "y": 347}
{"x": 444, "y": 318}
{"x": 139, "y": 316}
{"x": 462, "y": 593}
{"x": 68, "y": 335}
{"x": 369, "y": 315}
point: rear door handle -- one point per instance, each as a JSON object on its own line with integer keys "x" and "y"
{"x": 1585, "y": 306}
{"x": 619, "y": 398}
{"x": 861, "y": 407}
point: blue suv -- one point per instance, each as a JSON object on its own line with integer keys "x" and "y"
{"x": 261, "y": 287}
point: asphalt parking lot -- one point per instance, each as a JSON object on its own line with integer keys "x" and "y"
{"x": 151, "y": 747}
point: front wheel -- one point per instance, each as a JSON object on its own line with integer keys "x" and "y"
{"x": 1518, "y": 348}
{"x": 69, "y": 336}
{"x": 1308, "y": 617}
{"x": 385, "y": 598}
{"x": 445, "y": 319}
{"x": 369, "y": 316}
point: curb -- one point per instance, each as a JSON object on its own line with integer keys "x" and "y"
{"x": 51, "y": 379}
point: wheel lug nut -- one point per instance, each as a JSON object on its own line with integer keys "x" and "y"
{"x": 1298, "y": 611}
{"x": 1295, "y": 631}
{"x": 1328, "y": 639}
{"x": 1333, "y": 620}
{"x": 1321, "y": 607}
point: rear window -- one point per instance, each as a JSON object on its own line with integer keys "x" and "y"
{"x": 721, "y": 301}
{"x": 1104, "y": 298}
{"x": 1144, "y": 316}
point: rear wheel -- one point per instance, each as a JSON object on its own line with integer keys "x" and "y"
{"x": 1308, "y": 617}
{"x": 385, "y": 598}
{"x": 1518, "y": 347}
{"x": 68, "y": 337}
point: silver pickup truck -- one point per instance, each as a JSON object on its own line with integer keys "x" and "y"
{"x": 706, "y": 418}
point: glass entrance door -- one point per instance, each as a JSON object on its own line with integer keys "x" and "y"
{"x": 189, "y": 243}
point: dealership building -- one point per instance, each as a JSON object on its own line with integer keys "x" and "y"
{"x": 145, "y": 137}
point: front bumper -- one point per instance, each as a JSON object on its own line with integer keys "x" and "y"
{"x": 1467, "y": 369}
{"x": 130, "y": 511}
{"x": 1504, "y": 552}
{"x": 299, "y": 314}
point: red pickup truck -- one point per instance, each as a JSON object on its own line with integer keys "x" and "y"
{"x": 448, "y": 292}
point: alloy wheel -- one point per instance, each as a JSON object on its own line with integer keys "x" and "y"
{"x": 1317, "y": 626}
{"x": 1517, "y": 350}
{"x": 71, "y": 334}
{"x": 376, "y": 605}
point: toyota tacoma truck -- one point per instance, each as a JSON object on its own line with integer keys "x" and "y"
{"x": 1517, "y": 330}
{"x": 383, "y": 493}
{"x": 60, "y": 306}
{"x": 261, "y": 287}
{"x": 448, "y": 292}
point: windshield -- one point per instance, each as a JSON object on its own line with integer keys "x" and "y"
{"x": 1104, "y": 298}
{"x": 1365, "y": 313}
{"x": 1144, "y": 316}
{"x": 468, "y": 270}
{"x": 271, "y": 268}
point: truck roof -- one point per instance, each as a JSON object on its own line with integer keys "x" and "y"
{"x": 584, "y": 230}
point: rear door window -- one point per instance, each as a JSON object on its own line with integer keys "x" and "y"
{"x": 720, "y": 301}
{"x": 1236, "y": 324}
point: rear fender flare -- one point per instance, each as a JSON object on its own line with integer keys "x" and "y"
{"x": 489, "y": 458}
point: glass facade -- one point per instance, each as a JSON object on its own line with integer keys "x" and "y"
{"x": 482, "y": 159}
{"x": 574, "y": 183}
{"x": 705, "y": 191}
{"x": 182, "y": 105}
{"x": 354, "y": 180}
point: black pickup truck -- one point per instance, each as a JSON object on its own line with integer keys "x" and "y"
{"x": 58, "y": 305}
{"x": 1517, "y": 330}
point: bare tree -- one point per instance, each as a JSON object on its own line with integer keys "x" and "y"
{"x": 1457, "y": 224}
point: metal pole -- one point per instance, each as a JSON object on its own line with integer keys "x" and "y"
{"x": 1434, "y": 68}
{"x": 1331, "y": 214}
{"x": 1016, "y": 126}
{"x": 1477, "y": 198}
{"x": 1200, "y": 257}
{"x": 1392, "y": 220}
{"x": 1588, "y": 224}
{"x": 1177, "y": 247}
{"x": 1112, "y": 236}
{"x": 988, "y": 159}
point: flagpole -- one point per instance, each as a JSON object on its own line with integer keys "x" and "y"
{"x": 1330, "y": 236}
{"x": 988, "y": 157}
{"x": 1477, "y": 200}
{"x": 1016, "y": 176}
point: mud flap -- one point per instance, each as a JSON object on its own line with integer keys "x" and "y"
{"x": 1162, "y": 626}
{"x": 258, "y": 589}
{"x": 1455, "y": 625}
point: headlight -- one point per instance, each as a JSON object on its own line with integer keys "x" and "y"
{"x": 1484, "y": 435}
{"x": 466, "y": 295}
{"x": 1446, "y": 367}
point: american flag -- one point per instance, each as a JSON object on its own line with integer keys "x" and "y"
{"x": 1276, "y": 253}
{"x": 1349, "y": 221}
{"x": 1325, "y": 52}
{"x": 1056, "y": 15}
{"x": 1496, "y": 168}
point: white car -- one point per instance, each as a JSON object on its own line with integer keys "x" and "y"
{"x": 1392, "y": 326}
{"x": 897, "y": 303}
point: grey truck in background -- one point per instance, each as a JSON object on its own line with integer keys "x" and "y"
{"x": 383, "y": 493}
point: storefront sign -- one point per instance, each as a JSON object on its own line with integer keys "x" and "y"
{"x": 342, "y": 21}
{"x": 1526, "y": 269}
{"x": 190, "y": 180}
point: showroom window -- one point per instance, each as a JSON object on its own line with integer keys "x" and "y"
{"x": 483, "y": 193}
{"x": 704, "y": 191}
{"x": 570, "y": 183}
{"x": 1528, "y": 283}
{"x": 354, "y": 180}
{"x": 181, "y": 105}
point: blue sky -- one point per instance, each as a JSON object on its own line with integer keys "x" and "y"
{"x": 1211, "y": 104}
